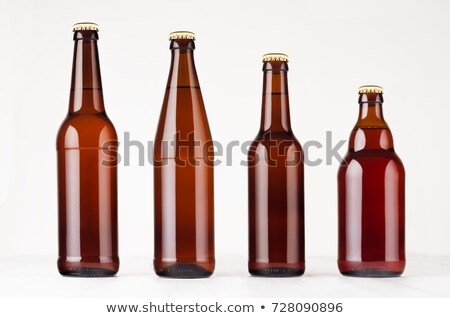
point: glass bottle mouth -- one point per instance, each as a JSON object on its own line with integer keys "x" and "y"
{"x": 182, "y": 44}
{"x": 275, "y": 62}
{"x": 370, "y": 94}
{"x": 85, "y": 31}
{"x": 85, "y": 35}
{"x": 371, "y": 98}
{"x": 182, "y": 40}
{"x": 275, "y": 66}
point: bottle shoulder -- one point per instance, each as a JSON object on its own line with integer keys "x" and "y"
{"x": 278, "y": 145}
{"x": 183, "y": 114}
{"x": 371, "y": 159}
{"x": 85, "y": 130}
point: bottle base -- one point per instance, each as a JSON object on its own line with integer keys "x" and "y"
{"x": 183, "y": 270}
{"x": 375, "y": 273}
{"x": 88, "y": 268}
{"x": 276, "y": 269}
{"x": 277, "y": 272}
{"x": 88, "y": 272}
{"x": 372, "y": 269}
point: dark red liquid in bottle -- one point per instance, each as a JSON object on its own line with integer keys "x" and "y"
{"x": 276, "y": 191}
{"x": 371, "y": 193}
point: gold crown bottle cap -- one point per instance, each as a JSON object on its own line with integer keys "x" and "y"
{"x": 370, "y": 89}
{"x": 85, "y": 26}
{"x": 275, "y": 57}
{"x": 182, "y": 35}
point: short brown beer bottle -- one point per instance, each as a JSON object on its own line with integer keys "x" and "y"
{"x": 276, "y": 189}
{"x": 183, "y": 172}
{"x": 371, "y": 193}
{"x": 87, "y": 174}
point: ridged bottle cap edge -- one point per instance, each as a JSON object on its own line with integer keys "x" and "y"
{"x": 370, "y": 89}
{"x": 85, "y": 26}
{"x": 182, "y": 35}
{"x": 275, "y": 57}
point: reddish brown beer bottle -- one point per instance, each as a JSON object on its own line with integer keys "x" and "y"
{"x": 276, "y": 190}
{"x": 87, "y": 175}
{"x": 371, "y": 188}
{"x": 183, "y": 172}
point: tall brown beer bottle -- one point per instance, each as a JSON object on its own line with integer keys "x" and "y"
{"x": 276, "y": 190}
{"x": 371, "y": 188}
{"x": 183, "y": 172}
{"x": 87, "y": 175}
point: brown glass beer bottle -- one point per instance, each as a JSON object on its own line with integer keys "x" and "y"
{"x": 371, "y": 192}
{"x": 183, "y": 172}
{"x": 276, "y": 189}
{"x": 87, "y": 175}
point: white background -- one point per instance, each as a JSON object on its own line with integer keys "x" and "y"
{"x": 334, "y": 47}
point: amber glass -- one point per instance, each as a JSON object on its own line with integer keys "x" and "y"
{"x": 87, "y": 175}
{"x": 371, "y": 191}
{"x": 276, "y": 190}
{"x": 183, "y": 174}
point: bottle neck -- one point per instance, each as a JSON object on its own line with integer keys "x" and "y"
{"x": 371, "y": 131}
{"x": 275, "y": 115}
{"x": 86, "y": 89}
{"x": 182, "y": 72}
{"x": 371, "y": 111}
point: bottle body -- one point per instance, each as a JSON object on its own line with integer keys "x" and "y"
{"x": 276, "y": 209}
{"x": 276, "y": 185}
{"x": 183, "y": 175}
{"x": 87, "y": 173}
{"x": 87, "y": 192}
{"x": 371, "y": 199}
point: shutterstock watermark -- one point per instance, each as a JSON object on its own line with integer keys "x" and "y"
{"x": 189, "y": 151}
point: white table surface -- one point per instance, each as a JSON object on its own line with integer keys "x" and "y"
{"x": 425, "y": 276}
